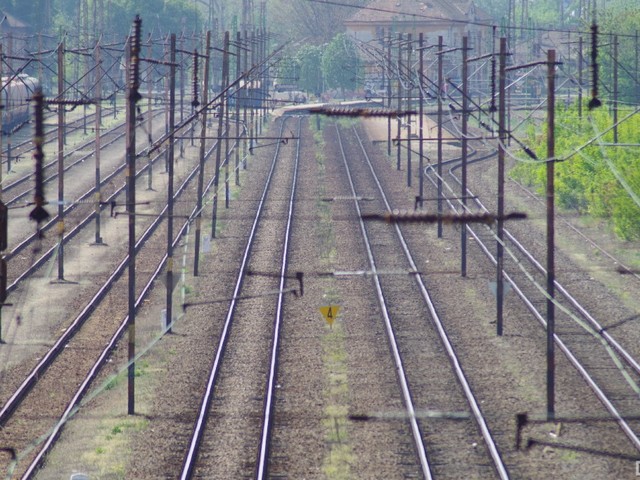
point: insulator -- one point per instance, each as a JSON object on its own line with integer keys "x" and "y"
{"x": 594, "y": 102}
{"x": 38, "y": 214}
{"x": 493, "y": 107}
{"x": 404, "y": 216}
{"x": 530, "y": 152}
{"x": 4, "y": 227}
{"x": 195, "y": 101}
{"x": 38, "y": 141}
{"x": 360, "y": 112}
{"x": 134, "y": 72}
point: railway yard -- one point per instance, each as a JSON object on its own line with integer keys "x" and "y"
{"x": 229, "y": 285}
{"x": 409, "y": 378}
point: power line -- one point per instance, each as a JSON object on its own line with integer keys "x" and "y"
{"x": 453, "y": 20}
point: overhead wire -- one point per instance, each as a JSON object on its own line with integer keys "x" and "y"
{"x": 453, "y": 20}
{"x": 597, "y": 335}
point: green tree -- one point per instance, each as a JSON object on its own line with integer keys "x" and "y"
{"x": 310, "y": 60}
{"x": 622, "y": 17}
{"x": 600, "y": 181}
{"x": 315, "y": 22}
{"x": 340, "y": 63}
{"x": 288, "y": 71}
{"x": 158, "y": 16}
{"x": 33, "y": 12}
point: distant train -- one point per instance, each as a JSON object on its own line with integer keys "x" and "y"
{"x": 288, "y": 93}
{"x": 248, "y": 94}
{"x": 16, "y": 100}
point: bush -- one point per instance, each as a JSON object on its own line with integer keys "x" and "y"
{"x": 602, "y": 181}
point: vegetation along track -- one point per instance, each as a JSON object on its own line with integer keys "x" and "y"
{"x": 607, "y": 361}
{"x": 230, "y": 436}
{"x": 85, "y": 345}
{"x": 586, "y": 321}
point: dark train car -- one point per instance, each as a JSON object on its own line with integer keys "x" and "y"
{"x": 249, "y": 95}
{"x": 16, "y": 97}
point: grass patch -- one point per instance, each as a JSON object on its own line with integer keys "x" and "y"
{"x": 339, "y": 454}
{"x": 348, "y": 122}
{"x": 142, "y": 366}
{"x": 337, "y": 463}
{"x": 109, "y": 455}
{"x": 114, "y": 381}
{"x": 569, "y": 456}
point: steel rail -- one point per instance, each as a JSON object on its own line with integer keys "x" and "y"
{"x": 53, "y": 222}
{"x": 565, "y": 349}
{"x": 31, "y": 379}
{"x": 621, "y": 264}
{"x": 28, "y": 141}
{"x": 25, "y": 243}
{"x": 473, "y": 403}
{"x": 104, "y": 356}
{"x": 631, "y": 362}
{"x": 190, "y": 459}
{"x": 54, "y": 163}
{"x": 263, "y": 456}
{"x": 600, "y": 394}
{"x": 404, "y": 384}
{"x": 74, "y": 231}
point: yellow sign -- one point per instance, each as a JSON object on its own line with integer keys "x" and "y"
{"x": 330, "y": 313}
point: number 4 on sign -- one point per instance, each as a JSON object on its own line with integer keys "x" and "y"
{"x": 330, "y": 313}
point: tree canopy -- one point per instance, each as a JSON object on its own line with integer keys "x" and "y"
{"x": 111, "y": 17}
{"x": 314, "y": 22}
{"x": 340, "y": 65}
{"x": 310, "y": 61}
{"x": 599, "y": 181}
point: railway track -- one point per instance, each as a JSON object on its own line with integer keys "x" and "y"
{"x": 252, "y": 435}
{"x": 606, "y": 362}
{"x": 18, "y": 147}
{"x": 610, "y": 369}
{"x": 414, "y": 340}
{"x": 85, "y": 346}
{"x": 241, "y": 380}
{"x": 78, "y": 213}
{"x": 615, "y": 261}
{"x": 72, "y": 158}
